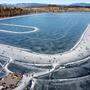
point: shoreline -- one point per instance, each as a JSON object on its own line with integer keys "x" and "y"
{"x": 18, "y": 16}
{"x": 37, "y": 58}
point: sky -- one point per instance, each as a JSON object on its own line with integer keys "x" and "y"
{"x": 44, "y": 1}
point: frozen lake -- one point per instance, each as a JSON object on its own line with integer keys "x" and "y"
{"x": 57, "y": 32}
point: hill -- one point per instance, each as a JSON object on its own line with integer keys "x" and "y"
{"x": 81, "y": 4}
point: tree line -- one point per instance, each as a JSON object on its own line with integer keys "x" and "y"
{"x": 14, "y": 11}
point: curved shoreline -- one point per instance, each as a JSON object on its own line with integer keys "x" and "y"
{"x": 72, "y": 55}
{"x": 37, "y": 13}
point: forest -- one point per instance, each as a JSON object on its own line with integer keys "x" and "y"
{"x": 15, "y": 11}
